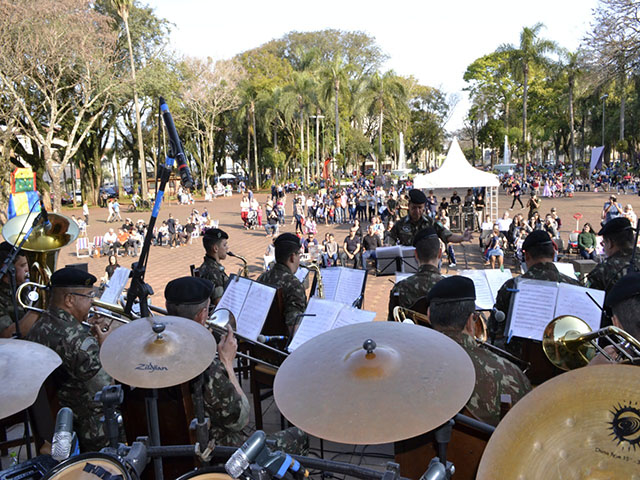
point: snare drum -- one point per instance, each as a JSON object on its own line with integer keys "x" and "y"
{"x": 91, "y": 466}
{"x": 207, "y": 473}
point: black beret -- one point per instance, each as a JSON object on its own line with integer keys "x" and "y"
{"x": 188, "y": 290}
{"x": 428, "y": 232}
{"x": 627, "y": 287}
{"x": 216, "y": 233}
{"x": 285, "y": 238}
{"x": 452, "y": 289}
{"x": 615, "y": 225}
{"x": 417, "y": 196}
{"x": 71, "y": 277}
{"x": 536, "y": 238}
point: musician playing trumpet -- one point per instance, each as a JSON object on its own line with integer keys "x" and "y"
{"x": 216, "y": 247}
{"x": 25, "y": 319}
{"x": 81, "y": 375}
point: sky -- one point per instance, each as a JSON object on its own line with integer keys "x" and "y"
{"x": 433, "y": 41}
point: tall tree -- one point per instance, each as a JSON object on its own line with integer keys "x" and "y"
{"x": 57, "y": 64}
{"x": 336, "y": 75}
{"x": 531, "y": 52}
{"x": 124, "y": 7}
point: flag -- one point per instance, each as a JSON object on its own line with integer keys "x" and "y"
{"x": 596, "y": 159}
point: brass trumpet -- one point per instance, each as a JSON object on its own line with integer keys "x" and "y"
{"x": 403, "y": 314}
{"x": 244, "y": 270}
{"x": 568, "y": 342}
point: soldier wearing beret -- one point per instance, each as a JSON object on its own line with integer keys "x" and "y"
{"x": 406, "y": 228}
{"x": 406, "y": 292}
{"x": 617, "y": 240}
{"x": 281, "y": 276}
{"x": 215, "y": 245}
{"x": 226, "y": 405}
{"x": 451, "y": 311}
{"x": 622, "y": 303}
{"x": 81, "y": 375}
{"x": 27, "y": 319}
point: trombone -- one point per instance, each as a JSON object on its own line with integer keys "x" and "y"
{"x": 568, "y": 342}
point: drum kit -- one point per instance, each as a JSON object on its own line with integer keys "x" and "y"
{"x": 368, "y": 383}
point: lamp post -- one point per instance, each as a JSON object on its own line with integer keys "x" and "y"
{"x": 603, "y": 98}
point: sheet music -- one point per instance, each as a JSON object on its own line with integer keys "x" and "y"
{"x": 350, "y": 316}
{"x": 484, "y": 297}
{"x": 116, "y": 285}
{"x": 573, "y": 300}
{"x": 255, "y": 310}
{"x": 330, "y": 277}
{"x": 495, "y": 279}
{"x": 566, "y": 269}
{"x": 533, "y": 308}
{"x": 301, "y": 274}
{"x": 349, "y": 285}
{"x": 234, "y": 295}
{"x": 325, "y": 312}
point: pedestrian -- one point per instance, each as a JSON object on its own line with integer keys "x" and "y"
{"x": 85, "y": 212}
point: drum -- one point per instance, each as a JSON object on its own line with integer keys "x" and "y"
{"x": 207, "y": 473}
{"x": 91, "y": 466}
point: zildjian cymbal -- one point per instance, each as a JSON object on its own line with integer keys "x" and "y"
{"x": 583, "y": 424}
{"x": 157, "y": 352}
{"x": 24, "y": 366}
{"x": 373, "y": 383}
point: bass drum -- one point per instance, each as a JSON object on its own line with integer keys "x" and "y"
{"x": 91, "y": 466}
{"x": 207, "y": 473}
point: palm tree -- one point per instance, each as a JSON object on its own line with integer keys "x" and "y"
{"x": 571, "y": 63}
{"x": 531, "y": 52}
{"x": 124, "y": 7}
{"x": 386, "y": 93}
{"x": 336, "y": 73}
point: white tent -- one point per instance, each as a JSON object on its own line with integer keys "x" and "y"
{"x": 457, "y": 172}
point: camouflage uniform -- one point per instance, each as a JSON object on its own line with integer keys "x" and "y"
{"x": 495, "y": 376}
{"x": 226, "y": 408}
{"x": 406, "y": 292}
{"x": 606, "y": 274}
{"x": 293, "y": 295}
{"x": 405, "y": 230}
{"x": 403, "y": 206}
{"x": 212, "y": 270}
{"x": 6, "y": 307}
{"x": 79, "y": 377}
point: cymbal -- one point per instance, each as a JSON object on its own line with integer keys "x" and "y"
{"x": 157, "y": 352}
{"x": 24, "y": 366}
{"x": 414, "y": 380}
{"x": 582, "y": 424}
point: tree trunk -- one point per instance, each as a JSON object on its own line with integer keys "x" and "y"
{"x": 336, "y": 91}
{"x": 302, "y": 163}
{"x": 622, "y": 103}
{"x": 141, "y": 158}
{"x": 571, "y": 125}
{"x": 380, "y": 120}
{"x": 525, "y": 157}
{"x": 255, "y": 144}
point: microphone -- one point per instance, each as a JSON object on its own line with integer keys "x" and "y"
{"x": 271, "y": 338}
{"x": 498, "y": 315}
{"x": 45, "y": 217}
{"x": 175, "y": 147}
{"x": 63, "y": 437}
{"x": 246, "y": 454}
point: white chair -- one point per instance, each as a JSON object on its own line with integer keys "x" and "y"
{"x": 82, "y": 244}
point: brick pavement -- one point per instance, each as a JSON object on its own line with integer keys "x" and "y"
{"x": 166, "y": 264}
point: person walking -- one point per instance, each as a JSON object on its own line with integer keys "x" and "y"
{"x": 516, "y": 191}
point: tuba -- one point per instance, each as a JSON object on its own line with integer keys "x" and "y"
{"x": 42, "y": 246}
{"x": 568, "y": 342}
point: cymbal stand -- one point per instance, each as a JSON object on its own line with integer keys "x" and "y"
{"x": 111, "y": 397}
{"x": 439, "y": 468}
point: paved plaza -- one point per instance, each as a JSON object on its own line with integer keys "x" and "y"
{"x": 166, "y": 263}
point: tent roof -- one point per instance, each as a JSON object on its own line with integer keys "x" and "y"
{"x": 456, "y": 172}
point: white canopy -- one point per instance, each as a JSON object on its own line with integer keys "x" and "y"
{"x": 455, "y": 172}
{"x": 227, "y": 176}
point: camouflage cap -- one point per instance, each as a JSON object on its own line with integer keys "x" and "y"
{"x": 615, "y": 225}
{"x": 69, "y": 277}
{"x": 417, "y": 196}
{"x": 188, "y": 290}
{"x": 627, "y": 287}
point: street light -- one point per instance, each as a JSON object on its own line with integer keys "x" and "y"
{"x": 603, "y": 98}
